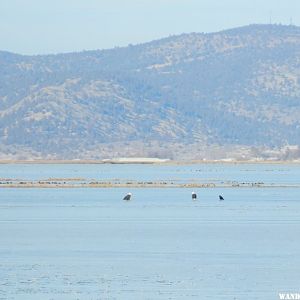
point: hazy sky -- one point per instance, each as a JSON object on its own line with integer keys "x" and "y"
{"x": 52, "y": 26}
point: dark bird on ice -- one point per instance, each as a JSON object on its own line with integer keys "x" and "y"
{"x": 127, "y": 197}
{"x": 194, "y": 196}
{"x": 220, "y": 197}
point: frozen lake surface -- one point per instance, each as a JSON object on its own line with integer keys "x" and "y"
{"x": 90, "y": 244}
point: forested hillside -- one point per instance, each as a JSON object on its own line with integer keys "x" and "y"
{"x": 235, "y": 91}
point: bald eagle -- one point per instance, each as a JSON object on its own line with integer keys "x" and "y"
{"x": 194, "y": 196}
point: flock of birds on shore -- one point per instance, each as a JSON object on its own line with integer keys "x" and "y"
{"x": 194, "y": 196}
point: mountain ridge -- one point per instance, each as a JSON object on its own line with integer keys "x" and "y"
{"x": 204, "y": 89}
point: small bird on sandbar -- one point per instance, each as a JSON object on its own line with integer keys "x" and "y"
{"x": 194, "y": 196}
{"x": 127, "y": 197}
{"x": 220, "y": 197}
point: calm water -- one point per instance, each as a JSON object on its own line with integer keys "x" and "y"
{"x": 272, "y": 173}
{"x": 89, "y": 244}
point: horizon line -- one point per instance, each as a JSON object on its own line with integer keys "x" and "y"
{"x": 150, "y": 41}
